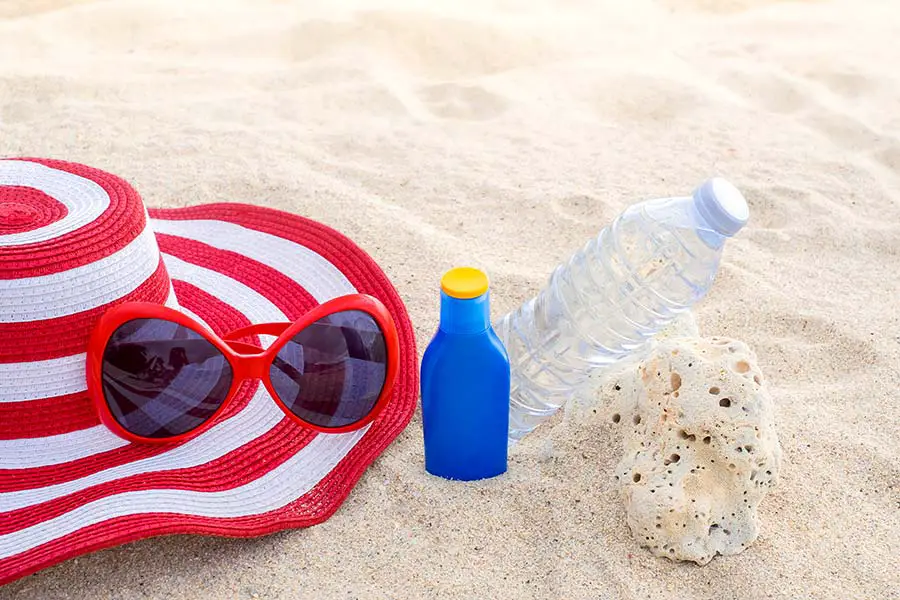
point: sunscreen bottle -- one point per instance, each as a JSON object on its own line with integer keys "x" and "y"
{"x": 465, "y": 384}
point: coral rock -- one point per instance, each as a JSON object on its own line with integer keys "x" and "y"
{"x": 701, "y": 449}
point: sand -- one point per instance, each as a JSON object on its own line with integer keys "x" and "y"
{"x": 503, "y": 134}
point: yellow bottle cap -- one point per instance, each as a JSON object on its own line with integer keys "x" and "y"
{"x": 464, "y": 283}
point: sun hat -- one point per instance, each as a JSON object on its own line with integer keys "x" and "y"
{"x": 75, "y": 241}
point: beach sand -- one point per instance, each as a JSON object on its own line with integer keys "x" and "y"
{"x": 503, "y": 134}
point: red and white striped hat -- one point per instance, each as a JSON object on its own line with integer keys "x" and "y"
{"x": 75, "y": 241}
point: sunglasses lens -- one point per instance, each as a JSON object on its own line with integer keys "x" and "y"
{"x": 332, "y": 372}
{"x": 161, "y": 379}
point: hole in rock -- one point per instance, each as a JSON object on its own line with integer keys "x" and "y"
{"x": 707, "y": 440}
{"x": 675, "y": 458}
{"x": 748, "y": 448}
{"x": 687, "y": 436}
{"x": 618, "y": 387}
{"x": 617, "y": 417}
{"x": 714, "y": 391}
{"x": 637, "y": 419}
{"x": 726, "y": 402}
{"x": 636, "y": 477}
{"x": 713, "y": 527}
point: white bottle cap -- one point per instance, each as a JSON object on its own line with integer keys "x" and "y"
{"x": 722, "y": 206}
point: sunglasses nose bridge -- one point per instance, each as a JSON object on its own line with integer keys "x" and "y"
{"x": 251, "y": 367}
{"x": 256, "y": 367}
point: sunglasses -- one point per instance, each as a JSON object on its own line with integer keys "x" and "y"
{"x": 158, "y": 376}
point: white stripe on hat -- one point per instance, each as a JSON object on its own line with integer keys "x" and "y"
{"x": 26, "y": 453}
{"x": 258, "y": 417}
{"x": 41, "y": 379}
{"x": 48, "y": 378}
{"x": 250, "y": 303}
{"x": 84, "y": 199}
{"x": 277, "y": 488}
{"x": 95, "y": 284}
{"x": 319, "y": 277}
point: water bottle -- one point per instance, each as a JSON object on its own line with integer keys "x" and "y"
{"x": 653, "y": 262}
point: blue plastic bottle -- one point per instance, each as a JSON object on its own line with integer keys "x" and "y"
{"x": 465, "y": 384}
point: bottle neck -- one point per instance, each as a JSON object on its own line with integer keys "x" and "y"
{"x": 465, "y": 315}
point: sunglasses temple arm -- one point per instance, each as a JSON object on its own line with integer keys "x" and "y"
{"x": 275, "y": 329}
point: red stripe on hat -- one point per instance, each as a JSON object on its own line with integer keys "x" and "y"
{"x": 26, "y": 209}
{"x": 120, "y": 224}
{"x": 121, "y": 530}
{"x": 232, "y": 470}
{"x": 365, "y": 275}
{"x": 285, "y": 293}
{"x": 220, "y": 317}
{"x": 47, "y": 416}
{"x": 64, "y": 336}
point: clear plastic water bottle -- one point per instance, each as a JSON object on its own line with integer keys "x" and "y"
{"x": 653, "y": 262}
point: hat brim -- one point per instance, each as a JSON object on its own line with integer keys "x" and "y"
{"x": 255, "y": 471}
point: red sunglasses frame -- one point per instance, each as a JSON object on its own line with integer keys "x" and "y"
{"x": 247, "y": 361}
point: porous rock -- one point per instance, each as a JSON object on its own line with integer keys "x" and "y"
{"x": 700, "y": 447}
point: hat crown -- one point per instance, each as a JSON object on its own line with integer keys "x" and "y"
{"x": 74, "y": 241}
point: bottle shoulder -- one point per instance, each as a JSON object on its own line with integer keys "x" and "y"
{"x": 480, "y": 348}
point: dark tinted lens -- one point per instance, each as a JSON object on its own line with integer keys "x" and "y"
{"x": 331, "y": 373}
{"x": 161, "y": 379}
